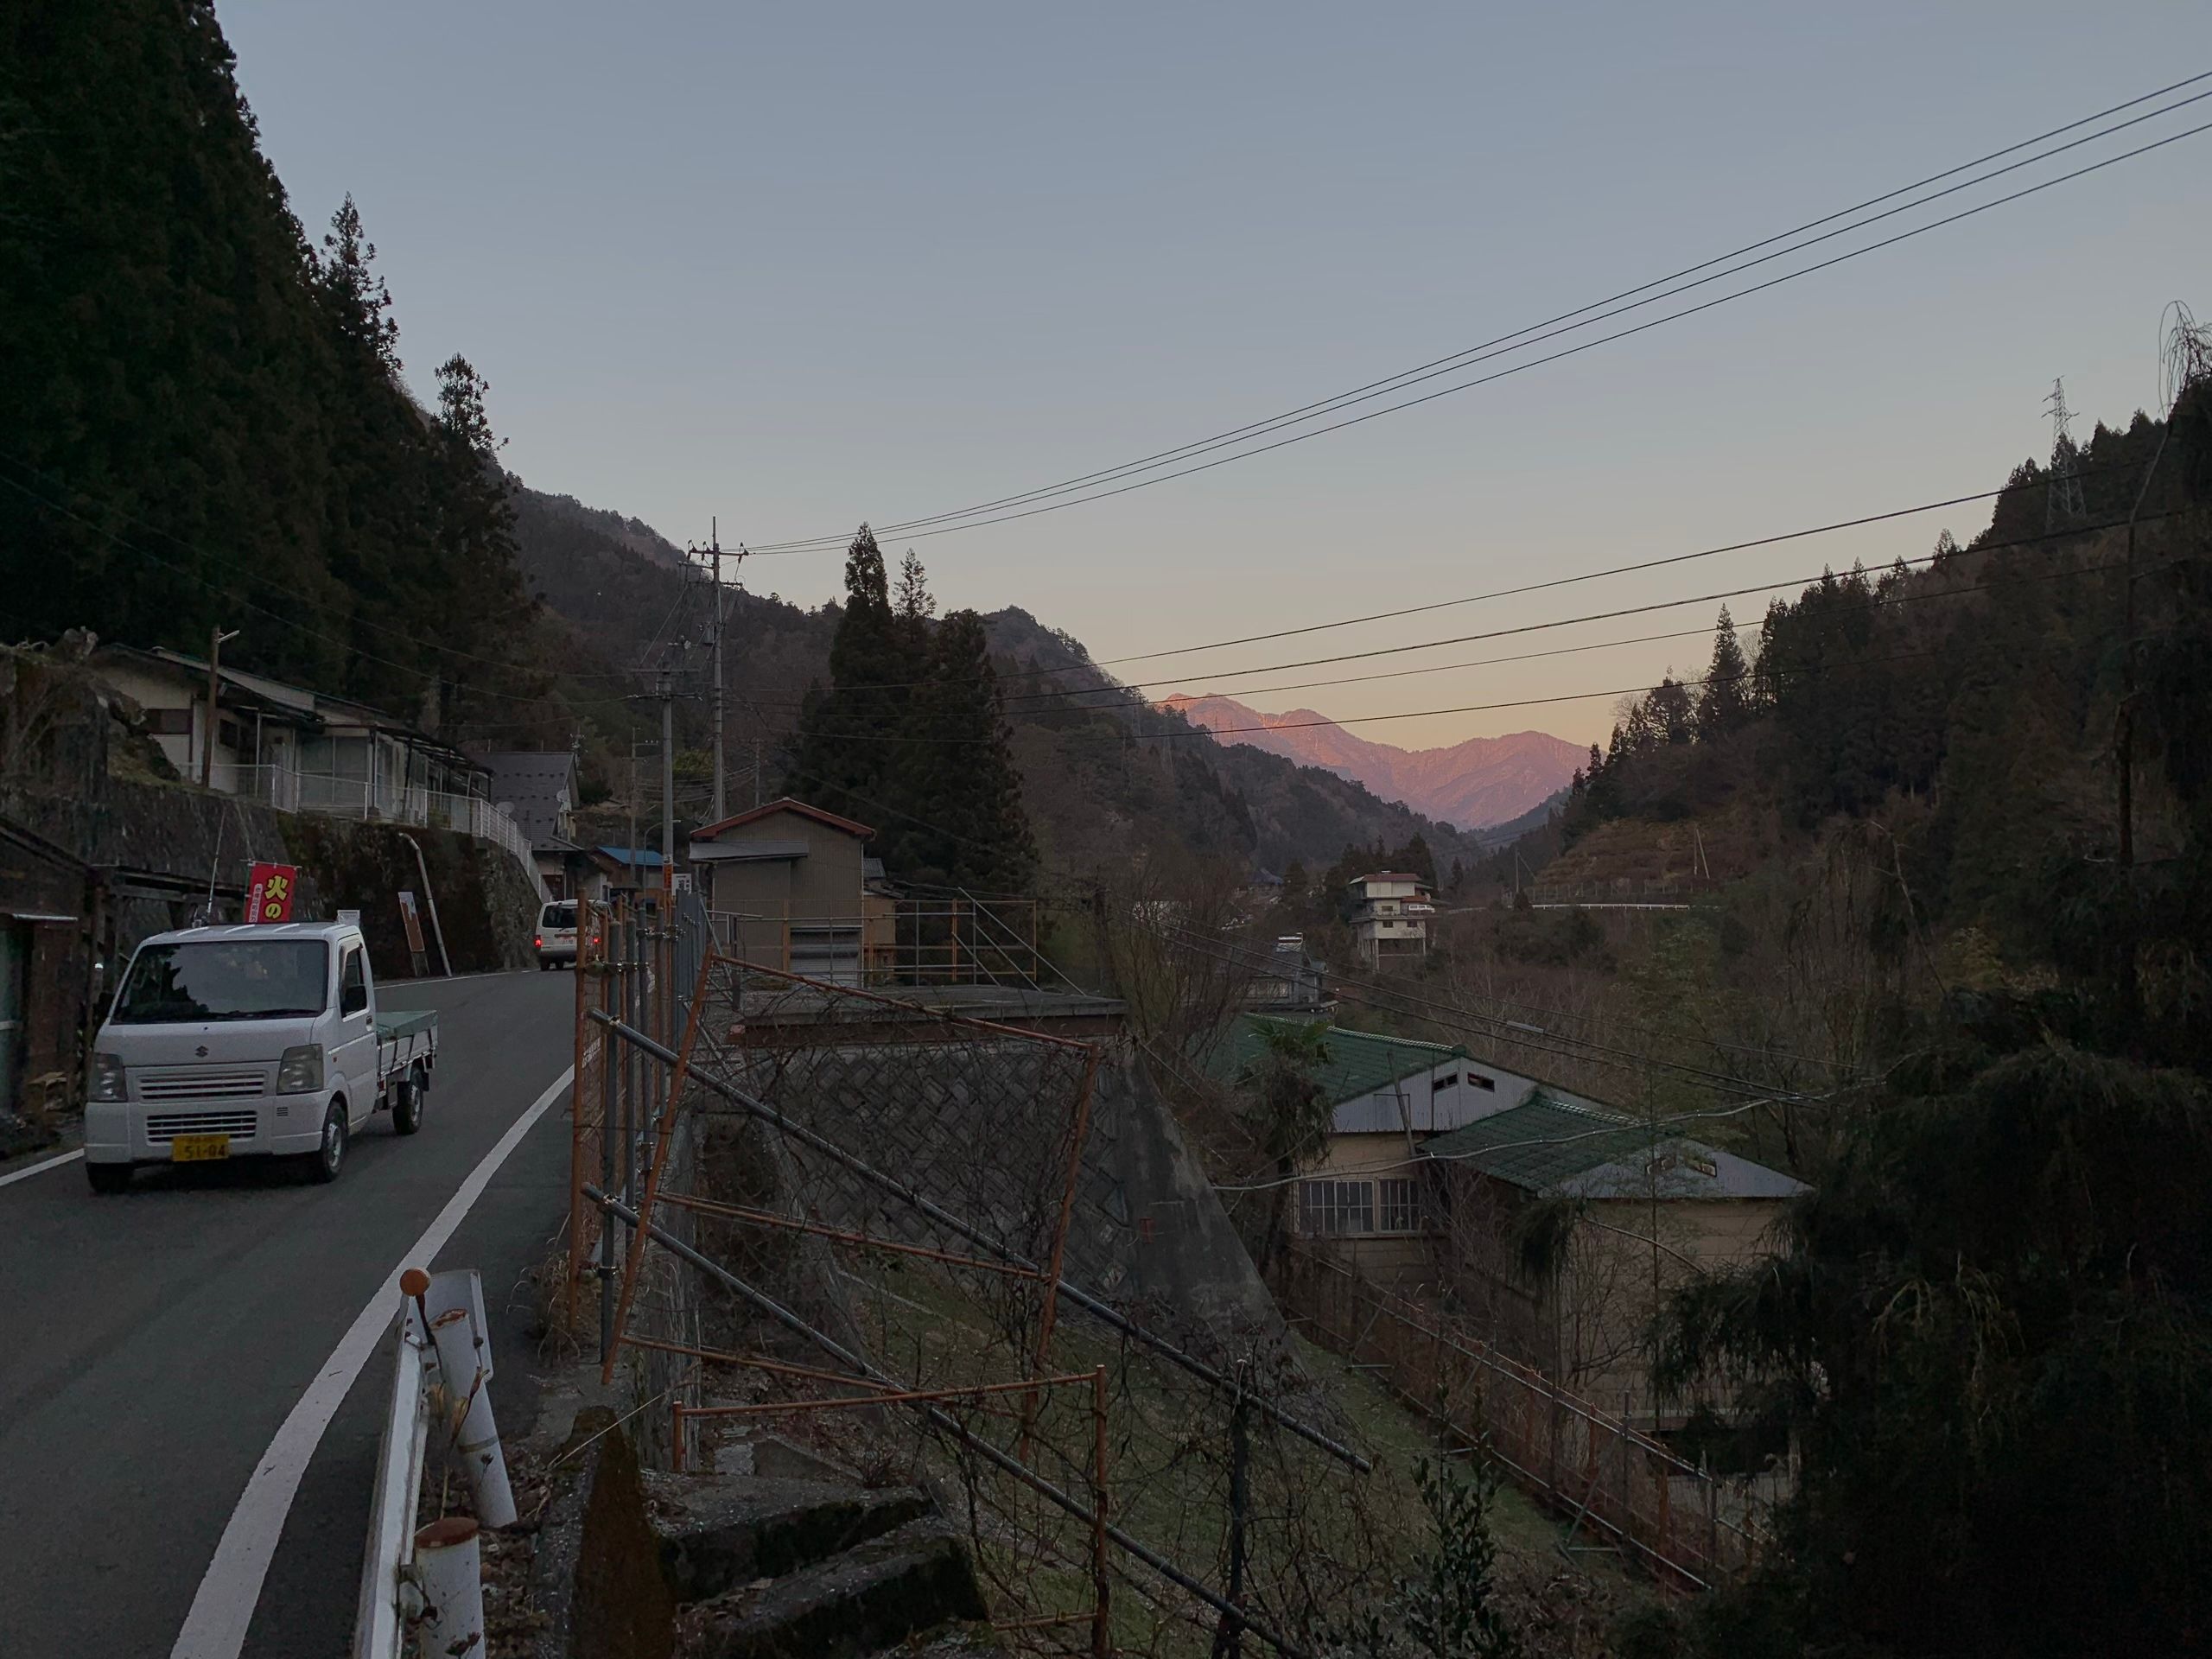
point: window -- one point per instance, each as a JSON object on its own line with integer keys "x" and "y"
{"x": 231, "y": 735}
{"x": 1331, "y": 1209}
{"x": 169, "y": 722}
{"x": 1446, "y": 1081}
{"x": 1400, "y": 1212}
{"x": 233, "y": 979}
{"x": 1482, "y": 1081}
{"x": 353, "y": 984}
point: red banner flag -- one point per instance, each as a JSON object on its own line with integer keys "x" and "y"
{"x": 269, "y": 893}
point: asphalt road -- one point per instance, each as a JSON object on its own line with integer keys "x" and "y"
{"x": 152, "y": 1344}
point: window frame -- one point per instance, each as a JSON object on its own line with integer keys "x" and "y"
{"x": 1327, "y": 1204}
{"x": 1398, "y": 1207}
{"x": 353, "y": 974}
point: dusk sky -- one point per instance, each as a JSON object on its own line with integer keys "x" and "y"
{"x": 798, "y": 266}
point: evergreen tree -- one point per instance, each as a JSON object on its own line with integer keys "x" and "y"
{"x": 476, "y": 572}
{"x": 1415, "y": 858}
{"x": 958, "y": 774}
{"x": 358, "y": 302}
{"x": 201, "y": 422}
{"x": 913, "y": 601}
{"x": 1673, "y": 715}
{"x": 1725, "y": 701}
{"x": 843, "y": 761}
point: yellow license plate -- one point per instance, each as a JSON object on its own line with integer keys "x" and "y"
{"x": 199, "y": 1148}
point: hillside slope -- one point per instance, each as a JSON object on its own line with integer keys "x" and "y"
{"x": 1085, "y": 738}
{"x": 1475, "y": 785}
{"x": 1104, "y": 773}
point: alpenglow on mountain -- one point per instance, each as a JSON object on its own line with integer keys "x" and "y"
{"x": 1482, "y": 781}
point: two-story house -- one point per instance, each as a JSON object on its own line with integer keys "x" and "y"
{"x": 1390, "y": 911}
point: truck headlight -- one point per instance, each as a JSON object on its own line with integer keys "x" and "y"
{"x": 107, "y": 1077}
{"x": 300, "y": 1072}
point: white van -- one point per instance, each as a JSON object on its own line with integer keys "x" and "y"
{"x": 556, "y": 934}
{"x": 228, "y": 1042}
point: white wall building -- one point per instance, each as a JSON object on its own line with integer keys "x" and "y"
{"x": 302, "y": 751}
{"x": 1390, "y": 911}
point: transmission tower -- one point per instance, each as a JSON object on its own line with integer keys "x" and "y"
{"x": 2062, "y": 505}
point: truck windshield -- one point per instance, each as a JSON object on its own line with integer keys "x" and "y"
{"x": 226, "y": 979}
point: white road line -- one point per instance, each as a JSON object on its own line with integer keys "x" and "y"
{"x": 222, "y": 1611}
{"x": 13, "y": 1176}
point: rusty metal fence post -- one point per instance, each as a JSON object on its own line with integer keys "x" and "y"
{"x": 1102, "y": 1628}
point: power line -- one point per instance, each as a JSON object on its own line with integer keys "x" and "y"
{"x": 1562, "y": 1044}
{"x": 1521, "y": 702}
{"x": 1391, "y": 381}
{"x": 821, "y": 544}
{"x": 1776, "y": 538}
{"x": 1262, "y": 962}
{"x": 1123, "y": 695}
{"x": 1557, "y": 651}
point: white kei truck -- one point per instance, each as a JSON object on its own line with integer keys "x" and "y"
{"x": 262, "y": 1039}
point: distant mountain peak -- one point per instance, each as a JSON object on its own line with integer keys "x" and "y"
{"x": 1482, "y": 781}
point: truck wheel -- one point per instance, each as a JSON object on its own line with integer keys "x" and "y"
{"x": 407, "y": 1110}
{"x": 326, "y": 1160}
{"x": 109, "y": 1178}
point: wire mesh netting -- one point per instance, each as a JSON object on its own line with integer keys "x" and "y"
{"x": 910, "y": 1178}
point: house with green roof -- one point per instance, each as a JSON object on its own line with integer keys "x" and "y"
{"x": 1561, "y": 1225}
{"x": 1389, "y": 1097}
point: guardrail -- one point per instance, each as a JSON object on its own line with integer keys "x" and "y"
{"x": 905, "y": 941}
{"x": 441, "y": 1401}
{"x": 386, "y": 800}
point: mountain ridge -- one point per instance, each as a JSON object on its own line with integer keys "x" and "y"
{"x": 1474, "y": 785}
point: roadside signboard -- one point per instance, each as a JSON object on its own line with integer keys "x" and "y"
{"x": 411, "y": 921}
{"x": 270, "y": 890}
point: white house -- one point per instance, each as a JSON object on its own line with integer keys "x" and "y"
{"x": 1389, "y": 915}
{"x": 304, "y": 751}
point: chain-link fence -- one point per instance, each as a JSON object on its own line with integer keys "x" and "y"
{"x": 1682, "y": 1520}
{"x": 858, "y": 1198}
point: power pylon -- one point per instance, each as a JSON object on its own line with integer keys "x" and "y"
{"x": 2063, "y": 503}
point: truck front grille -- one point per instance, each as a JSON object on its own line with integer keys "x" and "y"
{"x": 201, "y": 1085}
{"x": 166, "y": 1126}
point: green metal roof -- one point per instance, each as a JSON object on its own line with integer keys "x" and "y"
{"x": 1545, "y": 1146}
{"x": 1360, "y": 1062}
{"x": 1567, "y": 1140}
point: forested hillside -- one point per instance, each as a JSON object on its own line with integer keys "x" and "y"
{"x": 201, "y": 418}
{"x": 1955, "y": 847}
{"x": 1109, "y": 770}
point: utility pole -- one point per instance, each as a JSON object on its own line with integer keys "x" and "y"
{"x": 215, "y": 639}
{"x": 2186, "y": 352}
{"x": 633, "y": 811}
{"x": 713, "y": 554}
{"x": 665, "y": 689}
{"x": 714, "y": 540}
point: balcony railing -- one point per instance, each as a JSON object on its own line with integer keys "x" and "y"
{"x": 914, "y": 941}
{"x": 386, "y": 799}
